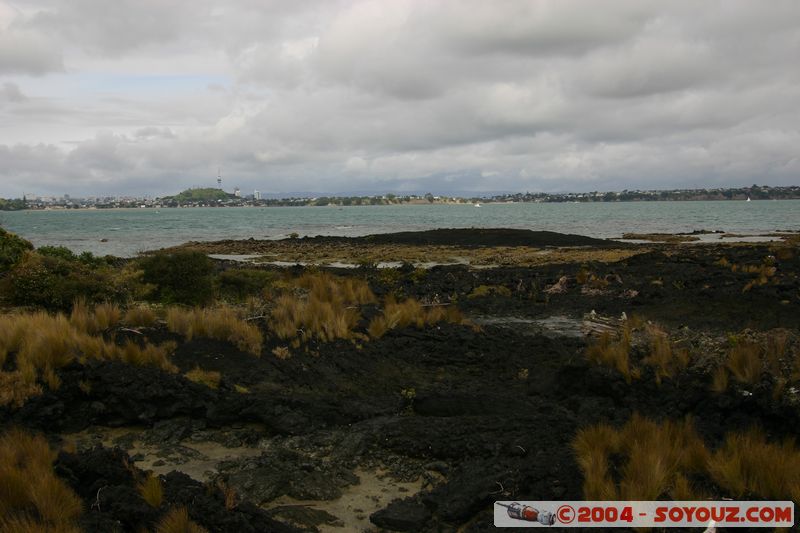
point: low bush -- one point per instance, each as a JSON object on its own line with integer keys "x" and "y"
{"x": 239, "y": 283}
{"x": 12, "y": 248}
{"x": 179, "y": 277}
{"x": 55, "y": 283}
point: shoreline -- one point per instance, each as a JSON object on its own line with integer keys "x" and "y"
{"x": 466, "y": 203}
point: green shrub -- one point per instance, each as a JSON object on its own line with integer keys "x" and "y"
{"x": 12, "y": 249}
{"x": 55, "y": 283}
{"x": 180, "y": 277}
{"x": 59, "y": 252}
{"x": 239, "y": 283}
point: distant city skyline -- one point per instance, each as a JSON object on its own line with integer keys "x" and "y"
{"x": 443, "y": 96}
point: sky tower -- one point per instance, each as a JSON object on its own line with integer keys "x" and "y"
{"x": 219, "y": 178}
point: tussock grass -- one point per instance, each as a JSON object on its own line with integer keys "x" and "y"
{"x": 655, "y": 459}
{"x": 148, "y": 355}
{"x": 593, "y": 446}
{"x": 209, "y": 378}
{"x": 151, "y": 490}
{"x": 744, "y": 362}
{"x": 328, "y": 308}
{"x": 16, "y": 389}
{"x": 93, "y": 321}
{"x": 32, "y": 497}
{"x": 177, "y": 521}
{"x": 281, "y": 352}
{"x": 410, "y": 312}
{"x": 746, "y": 464}
{"x": 140, "y": 316}
{"x": 665, "y": 359}
{"x": 327, "y": 287}
{"x": 326, "y": 312}
{"x": 719, "y": 381}
{"x": 44, "y": 343}
{"x": 613, "y": 353}
{"x": 220, "y": 323}
{"x": 646, "y": 460}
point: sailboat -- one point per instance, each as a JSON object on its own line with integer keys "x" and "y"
{"x": 748, "y": 198}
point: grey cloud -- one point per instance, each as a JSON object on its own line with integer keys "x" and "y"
{"x": 364, "y": 95}
{"x": 10, "y": 92}
{"x": 28, "y": 52}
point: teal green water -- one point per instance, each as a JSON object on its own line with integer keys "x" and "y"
{"x": 129, "y": 231}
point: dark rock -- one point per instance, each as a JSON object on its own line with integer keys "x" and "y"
{"x": 402, "y": 515}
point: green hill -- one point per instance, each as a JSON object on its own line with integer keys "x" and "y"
{"x": 202, "y": 195}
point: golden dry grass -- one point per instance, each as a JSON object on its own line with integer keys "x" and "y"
{"x": 32, "y": 497}
{"x": 15, "y": 389}
{"x": 747, "y": 465}
{"x": 613, "y": 353}
{"x": 148, "y": 355}
{"x": 177, "y": 521}
{"x": 655, "y": 459}
{"x": 327, "y": 287}
{"x": 744, "y": 362}
{"x": 411, "y": 312}
{"x": 593, "y": 446}
{"x": 44, "y": 343}
{"x": 719, "y": 381}
{"x": 220, "y": 323}
{"x": 281, "y": 352}
{"x": 327, "y": 311}
{"x": 209, "y": 378}
{"x": 665, "y": 359}
{"x": 151, "y": 490}
{"x": 140, "y": 316}
{"x": 93, "y": 321}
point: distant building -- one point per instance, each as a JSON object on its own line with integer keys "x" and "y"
{"x": 236, "y": 192}
{"x": 257, "y": 195}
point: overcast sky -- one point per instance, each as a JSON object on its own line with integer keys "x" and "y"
{"x": 152, "y": 96}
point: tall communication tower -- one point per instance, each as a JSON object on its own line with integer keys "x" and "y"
{"x": 219, "y": 178}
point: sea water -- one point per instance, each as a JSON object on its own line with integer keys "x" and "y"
{"x": 126, "y": 232}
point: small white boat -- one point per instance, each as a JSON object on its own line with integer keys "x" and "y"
{"x": 478, "y": 205}
{"x": 748, "y": 198}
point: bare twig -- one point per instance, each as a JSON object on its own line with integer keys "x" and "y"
{"x": 97, "y": 499}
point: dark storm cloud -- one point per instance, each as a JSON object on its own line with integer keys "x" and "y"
{"x": 407, "y": 95}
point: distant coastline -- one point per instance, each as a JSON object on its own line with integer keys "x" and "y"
{"x": 218, "y": 198}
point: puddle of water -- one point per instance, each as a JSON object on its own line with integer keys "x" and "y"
{"x": 374, "y": 491}
{"x": 552, "y": 326}
{"x": 233, "y": 257}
